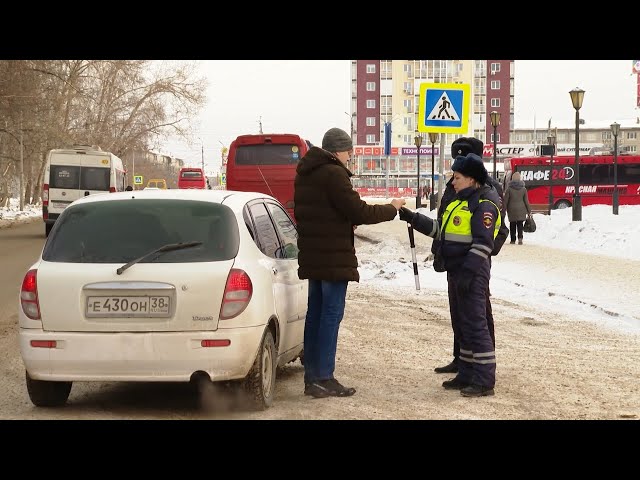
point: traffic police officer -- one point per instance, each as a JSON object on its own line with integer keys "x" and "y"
{"x": 467, "y": 231}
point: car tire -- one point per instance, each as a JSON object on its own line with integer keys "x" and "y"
{"x": 47, "y": 394}
{"x": 562, "y": 204}
{"x": 259, "y": 384}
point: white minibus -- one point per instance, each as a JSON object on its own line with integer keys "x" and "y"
{"x": 73, "y": 172}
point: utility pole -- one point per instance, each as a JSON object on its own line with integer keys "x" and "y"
{"x": 441, "y": 179}
{"x": 387, "y": 150}
{"x": 133, "y": 173}
{"x": 202, "y": 155}
{"x": 260, "y": 124}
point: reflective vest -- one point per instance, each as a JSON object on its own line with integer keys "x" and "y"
{"x": 461, "y": 233}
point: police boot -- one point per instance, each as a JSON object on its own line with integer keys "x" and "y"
{"x": 451, "y": 368}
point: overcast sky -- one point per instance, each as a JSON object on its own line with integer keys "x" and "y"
{"x": 310, "y": 96}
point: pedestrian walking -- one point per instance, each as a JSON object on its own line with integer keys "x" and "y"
{"x": 327, "y": 208}
{"x": 516, "y": 201}
{"x": 467, "y": 231}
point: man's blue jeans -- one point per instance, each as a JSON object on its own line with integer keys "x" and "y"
{"x": 325, "y": 309}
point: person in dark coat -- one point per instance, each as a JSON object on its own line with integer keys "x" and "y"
{"x": 327, "y": 209}
{"x": 467, "y": 231}
{"x": 516, "y": 201}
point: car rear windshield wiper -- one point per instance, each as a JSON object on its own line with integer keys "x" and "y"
{"x": 166, "y": 248}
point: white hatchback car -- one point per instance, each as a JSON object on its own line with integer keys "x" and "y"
{"x": 170, "y": 285}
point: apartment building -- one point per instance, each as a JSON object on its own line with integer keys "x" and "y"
{"x": 389, "y": 90}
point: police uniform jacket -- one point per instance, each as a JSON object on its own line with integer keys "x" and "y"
{"x": 491, "y": 190}
{"x": 467, "y": 228}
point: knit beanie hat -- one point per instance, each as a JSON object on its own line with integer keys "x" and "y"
{"x": 472, "y": 166}
{"x": 464, "y": 145}
{"x": 337, "y": 140}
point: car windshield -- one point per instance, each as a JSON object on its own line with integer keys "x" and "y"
{"x": 122, "y": 230}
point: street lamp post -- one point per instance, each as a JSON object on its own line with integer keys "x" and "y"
{"x": 577, "y": 96}
{"x": 433, "y": 138}
{"x": 495, "y": 121}
{"x": 551, "y": 139}
{"x": 615, "y": 130}
{"x": 418, "y": 143}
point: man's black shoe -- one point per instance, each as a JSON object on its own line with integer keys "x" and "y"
{"x": 328, "y": 388}
{"x": 476, "y": 391}
{"x": 451, "y": 368}
{"x": 455, "y": 384}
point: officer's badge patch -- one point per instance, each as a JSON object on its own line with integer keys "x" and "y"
{"x": 456, "y": 220}
{"x": 487, "y": 219}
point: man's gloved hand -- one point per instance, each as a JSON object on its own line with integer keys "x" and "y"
{"x": 464, "y": 282}
{"x": 406, "y": 215}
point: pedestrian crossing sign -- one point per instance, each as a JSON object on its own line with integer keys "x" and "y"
{"x": 137, "y": 179}
{"x": 444, "y": 107}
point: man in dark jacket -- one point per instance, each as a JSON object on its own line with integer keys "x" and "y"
{"x": 327, "y": 209}
{"x": 461, "y": 147}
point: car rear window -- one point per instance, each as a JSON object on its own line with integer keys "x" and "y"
{"x": 122, "y": 230}
{"x": 74, "y": 177}
{"x": 64, "y": 176}
{"x": 191, "y": 175}
{"x": 267, "y": 154}
{"x": 94, "y": 178}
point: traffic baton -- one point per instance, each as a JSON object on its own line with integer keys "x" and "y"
{"x": 413, "y": 255}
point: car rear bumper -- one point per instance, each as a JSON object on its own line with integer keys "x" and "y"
{"x": 140, "y": 357}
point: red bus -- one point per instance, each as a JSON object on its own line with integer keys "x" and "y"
{"x": 266, "y": 163}
{"x": 596, "y": 179}
{"x": 191, "y": 177}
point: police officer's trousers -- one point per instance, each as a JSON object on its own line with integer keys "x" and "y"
{"x": 477, "y": 361}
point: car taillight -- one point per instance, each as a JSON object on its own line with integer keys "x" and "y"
{"x": 29, "y": 295}
{"x": 237, "y": 294}
{"x": 112, "y": 189}
{"x": 45, "y": 201}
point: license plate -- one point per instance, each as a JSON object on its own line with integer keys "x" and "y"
{"x": 129, "y": 306}
{"x": 60, "y": 204}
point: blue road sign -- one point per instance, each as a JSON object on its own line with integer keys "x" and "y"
{"x": 444, "y": 107}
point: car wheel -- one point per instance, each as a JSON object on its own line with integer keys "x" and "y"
{"x": 47, "y": 394}
{"x": 260, "y": 382}
{"x": 47, "y": 229}
{"x": 562, "y": 204}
